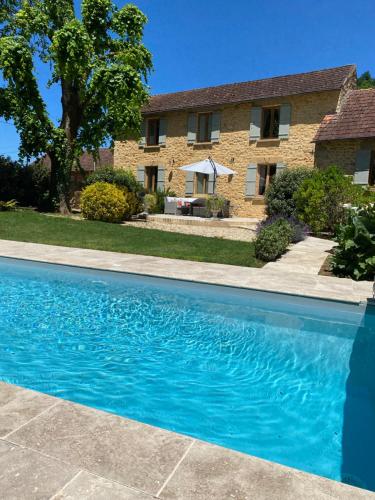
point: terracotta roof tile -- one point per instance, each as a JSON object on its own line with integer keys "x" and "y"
{"x": 315, "y": 81}
{"x": 87, "y": 161}
{"x": 355, "y": 120}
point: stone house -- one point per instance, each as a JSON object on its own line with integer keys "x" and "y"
{"x": 256, "y": 128}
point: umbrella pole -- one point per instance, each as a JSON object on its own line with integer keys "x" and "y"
{"x": 215, "y": 173}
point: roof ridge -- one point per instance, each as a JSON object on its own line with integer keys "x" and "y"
{"x": 163, "y": 94}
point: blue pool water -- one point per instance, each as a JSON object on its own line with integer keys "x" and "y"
{"x": 287, "y": 379}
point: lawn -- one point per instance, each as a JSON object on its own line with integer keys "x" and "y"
{"x": 26, "y": 225}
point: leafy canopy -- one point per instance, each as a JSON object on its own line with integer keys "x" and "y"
{"x": 99, "y": 61}
{"x": 365, "y": 81}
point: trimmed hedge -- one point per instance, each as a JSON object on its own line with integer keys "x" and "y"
{"x": 273, "y": 240}
{"x": 104, "y": 202}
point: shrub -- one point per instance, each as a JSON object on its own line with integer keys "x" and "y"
{"x": 320, "y": 199}
{"x": 120, "y": 177}
{"x": 299, "y": 228}
{"x": 154, "y": 202}
{"x": 273, "y": 240}
{"x": 150, "y": 202}
{"x": 355, "y": 254}
{"x": 7, "y": 206}
{"x": 103, "y": 201}
{"x": 279, "y": 195}
{"x": 135, "y": 206}
{"x": 215, "y": 203}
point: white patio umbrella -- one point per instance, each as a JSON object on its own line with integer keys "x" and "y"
{"x": 208, "y": 166}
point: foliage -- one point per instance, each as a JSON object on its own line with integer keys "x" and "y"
{"x": 365, "y": 81}
{"x": 100, "y": 64}
{"x": 154, "y": 202}
{"x": 279, "y": 195}
{"x": 120, "y": 177}
{"x": 354, "y": 256}
{"x": 299, "y": 228}
{"x": 215, "y": 203}
{"x": 35, "y": 227}
{"x": 273, "y": 240}
{"x": 321, "y": 197}
{"x": 6, "y": 206}
{"x": 29, "y": 185}
{"x": 134, "y": 204}
{"x": 104, "y": 202}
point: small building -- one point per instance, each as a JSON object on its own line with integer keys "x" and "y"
{"x": 347, "y": 138}
{"x": 255, "y": 128}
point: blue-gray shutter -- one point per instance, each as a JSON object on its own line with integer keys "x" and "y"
{"x": 141, "y": 175}
{"x": 215, "y": 126}
{"x": 189, "y": 183}
{"x": 362, "y": 167}
{"x": 142, "y": 141}
{"x": 162, "y": 131}
{"x": 285, "y": 118}
{"x": 251, "y": 178}
{"x": 210, "y": 185}
{"x": 160, "y": 178}
{"x": 255, "y": 123}
{"x": 280, "y": 167}
{"x": 192, "y": 128}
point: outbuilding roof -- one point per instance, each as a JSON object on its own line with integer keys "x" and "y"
{"x": 356, "y": 119}
{"x": 279, "y": 86}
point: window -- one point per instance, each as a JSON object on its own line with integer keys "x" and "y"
{"x": 201, "y": 183}
{"x": 151, "y": 179}
{"x": 270, "y": 123}
{"x": 153, "y": 131}
{"x": 371, "y": 176}
{"x": 204, "y": 127}
{"x": 266, "y": 174}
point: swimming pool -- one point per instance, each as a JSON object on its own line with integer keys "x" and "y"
{"x": 287, "y": 379}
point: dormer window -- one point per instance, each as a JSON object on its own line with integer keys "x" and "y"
{"x": 270, "y": 123}
{"x": 152, "y": 135}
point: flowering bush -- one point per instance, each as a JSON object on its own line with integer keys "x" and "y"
{"x": 273, "y": 240}
{"x": 103, "y": 201}
{"x": 300, "y": 229}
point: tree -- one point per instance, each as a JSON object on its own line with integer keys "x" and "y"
{"x": 365, "y": 81}
{"x": 100, "y": 64}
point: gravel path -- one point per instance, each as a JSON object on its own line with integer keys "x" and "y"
{"x": 227, "y": 233}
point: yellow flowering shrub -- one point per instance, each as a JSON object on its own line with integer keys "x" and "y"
{"x": 103, "y": 201}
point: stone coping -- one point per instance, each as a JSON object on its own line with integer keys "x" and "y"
{"x": 281, "y": 278}
{"x": 56, "y": 449}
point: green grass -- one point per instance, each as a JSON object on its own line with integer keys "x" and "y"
{"x": 25, "y": 225}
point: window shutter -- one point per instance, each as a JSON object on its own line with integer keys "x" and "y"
{"x": 251, "y": 177}
{"x": 141, "y": 175}
{"x": 280, "y": 167}
{"x": 189, "y": 183}
{"x": 255, "y": 123}
{"x": 162, "y": 131}
{"x": 210, "y": 185}
{"x": 285, "y": 118}
{"x": 142, "y": 141}
{"x": 192, "y": 128}
{"x": 161, "y": 176}
{"x": 362, "y": 167}
{"x": 215, "y": 127}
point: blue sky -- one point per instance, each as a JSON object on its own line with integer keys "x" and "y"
{"x": 198, "y": 43}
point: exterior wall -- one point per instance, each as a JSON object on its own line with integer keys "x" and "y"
{"x": 234, "y": 149}
{"x": 341, "y": 153}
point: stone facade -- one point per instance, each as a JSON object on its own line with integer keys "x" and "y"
{"x": 234, "y": 149}
{"x": 342, "y": 153}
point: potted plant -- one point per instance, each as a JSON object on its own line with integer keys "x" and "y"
{"x": 215, "y": 204}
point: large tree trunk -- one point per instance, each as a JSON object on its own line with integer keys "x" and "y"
{"x": 61, "y": 168}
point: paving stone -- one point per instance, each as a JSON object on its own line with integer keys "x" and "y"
{"x": 86, "y": 485}
{"x": 135, "y": 454}
{"x": 18, "y": 406}
{"x": 211, "y": 472}
{"x": 26, "y": 474}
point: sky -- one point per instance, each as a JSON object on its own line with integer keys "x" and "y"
{"x": 199, "y": 43}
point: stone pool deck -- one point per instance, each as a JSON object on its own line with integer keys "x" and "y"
{"x": 55, "y": 449}
{"x": 295, "y": 273}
